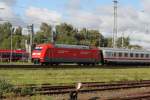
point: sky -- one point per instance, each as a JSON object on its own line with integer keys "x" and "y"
{"x": 133, "y": 15}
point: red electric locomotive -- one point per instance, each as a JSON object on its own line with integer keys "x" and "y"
{"x": 58, "y": 53}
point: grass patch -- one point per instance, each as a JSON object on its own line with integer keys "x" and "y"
{"x": 69, "y": 76}
{"x": 16, "y": 63}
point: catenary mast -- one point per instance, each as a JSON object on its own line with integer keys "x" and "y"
{"x": 115, "y": 27}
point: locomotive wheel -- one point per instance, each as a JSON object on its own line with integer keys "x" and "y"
{"x": 93, "y": 64}
{"x": 51, "y": 64}
{"x": 79, "y": 64}
{"x": 42, "y": 64}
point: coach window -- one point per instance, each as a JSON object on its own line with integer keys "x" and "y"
{"x": 142, "y": 55}
{"x": 120, "y": 54}
{"x": 126, "y": 54}
{"x": 147, "y": 55}
{"x": 136, "y": 55}
{"x": 115, "y": 54}
{"x": 109, "y": 54}
{"x": 131, "y": 54}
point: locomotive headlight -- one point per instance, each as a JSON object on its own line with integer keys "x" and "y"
{"x": 38, "y": 54}
{"x": 33, "y": 54}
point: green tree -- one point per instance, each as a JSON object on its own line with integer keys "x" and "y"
{"x": 108, "y": 42}
{"x": 44, "y": 34}
{"x": 122, "y": 41}
{"x": 5, "y": 37}
{"x": 18, "y": 39}
{"x": 90, "y": 37}
{"x": 135, "y": 47}
{"x": 5, "y": 31}
{"x": 65, "y": 34}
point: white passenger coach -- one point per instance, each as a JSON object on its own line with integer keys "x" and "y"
{"x": 125, "y": 56}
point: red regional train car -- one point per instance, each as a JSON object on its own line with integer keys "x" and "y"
{"x": 5, "y": 55}
{"x": 45, "y": 54}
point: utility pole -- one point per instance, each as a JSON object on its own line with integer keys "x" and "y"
{"x": 115, "y": 28}
{"x": 31, "y": 33}
{"x": 52, "y": 34}
{"x": 11, "y": 32}
{"x": 122, "y": 40}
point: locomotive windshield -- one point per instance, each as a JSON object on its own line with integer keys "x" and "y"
{"x": 38, "y": 48}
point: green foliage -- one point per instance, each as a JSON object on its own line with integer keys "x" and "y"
{"x": 5, "y": 37}
{"x": 122, "y": 42}
{"x": 135, "y": 47}
{"x": 125, "y": 42}
{"x": 5, "y": 87}
{"x": 5, "y": 44}
{"x": 26, "y": 91}
{"x": 65, "y": 34}
{"x": 23, "y": 91}
{"x": 44, "y": 34}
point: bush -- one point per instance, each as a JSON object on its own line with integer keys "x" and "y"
{"x": 5, "y": 87}
{"x": 26, "y": 91}
{"x": 23, "y": 91}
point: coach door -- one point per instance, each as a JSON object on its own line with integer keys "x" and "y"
{"x": 101, "y": 57}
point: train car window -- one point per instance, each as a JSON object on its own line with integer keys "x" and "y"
{"x": 109, "y": 54}
{"x": 131, "y": 54}
{"x": 115, "y": 54}
{"x": 147, "y": 55}
{"x": 38, "y": 48}
{"x": 136, "y": 55}
{"x": 120, "y": 54}
{"x": 142, "y": 55}
{"x": 126, "y": 54}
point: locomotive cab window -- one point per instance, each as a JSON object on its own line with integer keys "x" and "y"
{"x": 38, "y": 48}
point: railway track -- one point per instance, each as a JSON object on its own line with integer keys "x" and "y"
{"x": 30, "y": 66}
{"x": 141, "y": 96}
{"x": 90, "y": 87}
{"x": 8, "y": 66}
{"x": 47, "y": 89}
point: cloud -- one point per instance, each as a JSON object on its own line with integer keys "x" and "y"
{"x": 38, "y": 15}
{"x": 9, "y": 2}
{"x": 82, "y": 19}
{"x": 145, "y": 5}
{"x": 7, "y": 14}
{"x": 130, "y": 20}
{"x": 74, "y": 4}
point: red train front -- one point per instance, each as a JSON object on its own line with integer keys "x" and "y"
{"x": 56, "y": 54}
